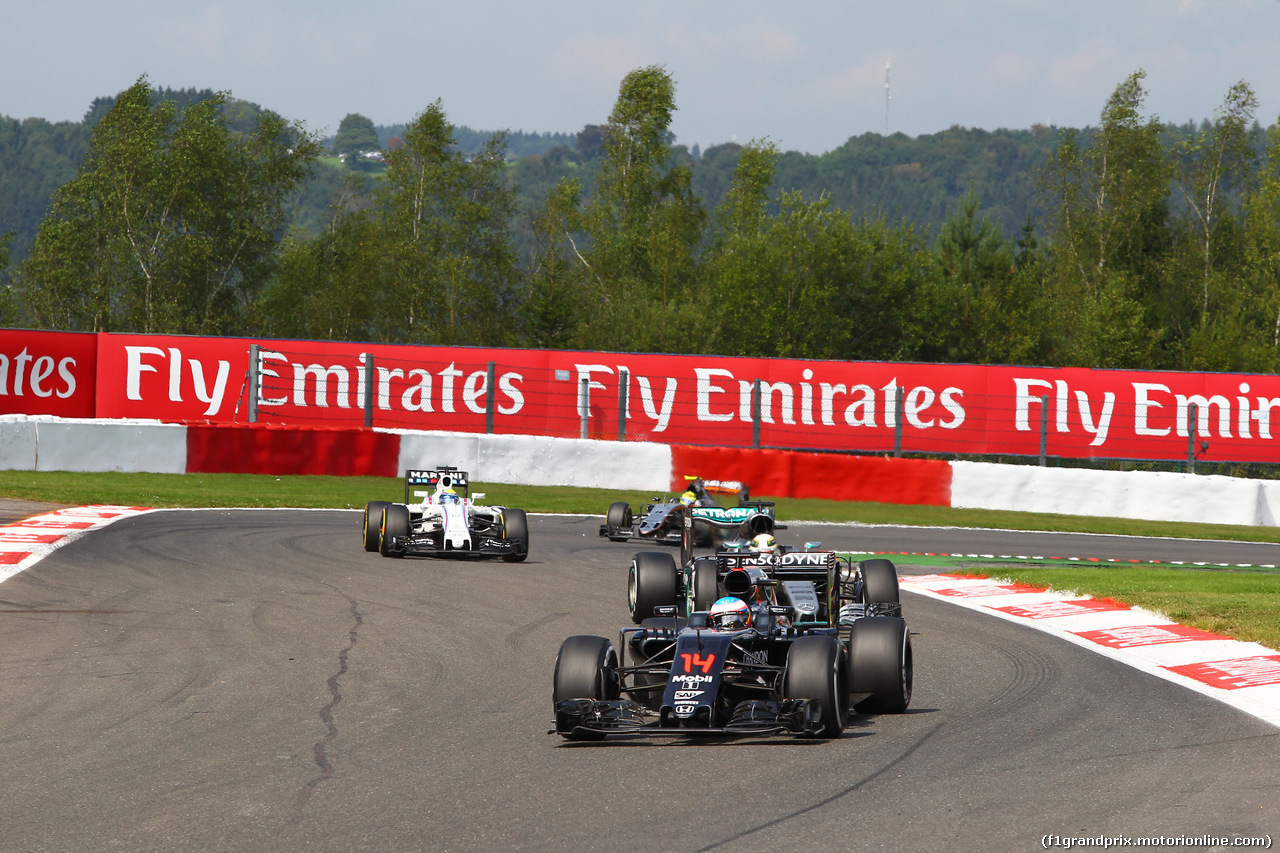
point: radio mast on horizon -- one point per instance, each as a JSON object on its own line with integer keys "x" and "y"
{"x": 886, "y": 97}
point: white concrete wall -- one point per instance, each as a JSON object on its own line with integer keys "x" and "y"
{"x": 1156, "y": 496}
{"x": 46, "y": 443}
{"x": 541, "y": 461}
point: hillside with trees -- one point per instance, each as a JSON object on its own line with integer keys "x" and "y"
{"x": 1129, "y": 244}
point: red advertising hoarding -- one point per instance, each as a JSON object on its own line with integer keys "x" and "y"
{"x": 676, "y": 399}
{"x": 47, "y": 373}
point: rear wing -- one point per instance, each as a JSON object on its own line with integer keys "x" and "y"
{"x": 421, "y": 483}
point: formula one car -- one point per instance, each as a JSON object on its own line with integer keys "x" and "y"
{"x": 749, "y": 665}
{"x": 445, "y": 521}
{"x": 660, "y": 521}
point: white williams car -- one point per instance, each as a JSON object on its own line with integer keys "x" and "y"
{"x": 440, "y": 518}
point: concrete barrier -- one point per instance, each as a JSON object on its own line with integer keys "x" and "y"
{"x": 1151, "y": 495}
{"x": 541, "y": 461}
{"x": 50, "y": 443}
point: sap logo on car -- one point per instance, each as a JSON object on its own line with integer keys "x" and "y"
{"x": 690, "y": 680}
{"x": 688, "y": 695}
{"x": 685, "y": 709}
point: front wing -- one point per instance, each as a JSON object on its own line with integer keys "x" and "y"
{"x": 579, "y": 718}
{"x": 420, "y": 545}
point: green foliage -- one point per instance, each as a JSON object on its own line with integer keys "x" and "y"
{"x": 171, "y": 224}
{"x": 445, "y": 221}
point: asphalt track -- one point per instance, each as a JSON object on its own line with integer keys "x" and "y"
{"x": 252, "y": 680}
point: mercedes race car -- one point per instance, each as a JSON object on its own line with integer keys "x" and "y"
{"x": 746, "y": 666}
{"x": 660, "y": 521}
{"x": 440, "y": 518}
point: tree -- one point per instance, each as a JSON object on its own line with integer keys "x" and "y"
{"x": 172, "y": 222}
{"x": 642, "y": 226}
{"x": 356, "y": 136}
{"x": 445, "y": 220}
{"x": 1210, "y": 163}
{"x": 1109, "y": 224}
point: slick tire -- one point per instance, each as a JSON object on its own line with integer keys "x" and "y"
{"x": 879, "y": 582}
{"x": 515, "y": 525}
{"x": 395, "y": 522}
{"x": 586, "y": 668}
{"x": 706, "y": 589}
{"x": 619, "y": 516}
{"x": 816, "y": 670}
{"x": 653, "y": 581}
{"x": 373, "y": 524}
{"x": 880, "y": 664}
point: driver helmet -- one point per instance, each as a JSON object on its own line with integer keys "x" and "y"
{"x": 688, "y": 499}
{"x": 448, "y": 495}
{"x": 728, "y": 614}
{"x": 765, "y": 544}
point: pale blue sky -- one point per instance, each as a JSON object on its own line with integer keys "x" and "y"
{"x": 807, "y": 74}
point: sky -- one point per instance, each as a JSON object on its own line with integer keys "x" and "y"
{"x": 805, "y": 74}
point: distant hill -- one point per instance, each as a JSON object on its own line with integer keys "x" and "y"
{"x": 917, "y": 180}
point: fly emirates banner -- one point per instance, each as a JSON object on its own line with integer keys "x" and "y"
{"x": 675, "y": 399}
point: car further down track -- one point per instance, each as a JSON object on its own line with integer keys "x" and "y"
{"x": 444, "y": 521}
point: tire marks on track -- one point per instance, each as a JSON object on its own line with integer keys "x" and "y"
{"x": 320, "y": 749}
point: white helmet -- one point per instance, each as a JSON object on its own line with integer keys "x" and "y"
{"x": 729, "y": 614}
{"x": 765, "y": 544}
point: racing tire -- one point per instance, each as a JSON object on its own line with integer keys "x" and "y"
{"x": 706, "y": 588}
{"x": 586, "y": 668}
{"x": 880, "y": 664}
{"x": 395, "y": 522}
{"x": 816, "y": 670}
{"x": 619, "y": 516}
{"x": 879, "y": 582}
{"x": 653, "y": 581}
{"x": 373, "y": 524}
{"x": 515, "y": 525}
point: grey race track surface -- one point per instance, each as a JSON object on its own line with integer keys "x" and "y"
{"x": 254, "y": 681}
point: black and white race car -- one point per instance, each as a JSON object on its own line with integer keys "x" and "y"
{"x": 659, "y": 521}
{"x": 818, "y": 637}
{"x": 759, "y": 674}
{"x": 444, "y": 521}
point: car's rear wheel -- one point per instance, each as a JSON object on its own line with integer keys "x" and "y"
{"x": 619, "y": 517}
{"x": 373, "y": 524}
{"x": 705, "y": 587}
{"x": 395, "y": 522}
{"x": 652, "y": 581}
{"x": 515, "y": 525}
{"x": 816, "y": 670}
{"x": 879, "y": 582}
{"x": 880, "y": 664}
{"x": 586, "y": 668}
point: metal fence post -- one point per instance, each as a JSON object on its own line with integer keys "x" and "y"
{"x": 368, "y": 390}
{"x": 584, "y": 407}
{"x": 1044, "y": 430}
{"x": 897, "y": 422}
{"x": 624, "y": 385}
{"x": 490, "y": 396}
{"x": 755, "y": 414}
{"x": 254, "y": 361}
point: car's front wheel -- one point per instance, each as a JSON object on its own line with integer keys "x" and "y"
{"x": 373, "y": 524}
{"x": 816, "y": 671}
{"x": 515, "y": 527}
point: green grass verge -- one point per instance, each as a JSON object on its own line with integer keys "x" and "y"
{"x": 1244, "y": 605}
{"x": 1240, "y": 603}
